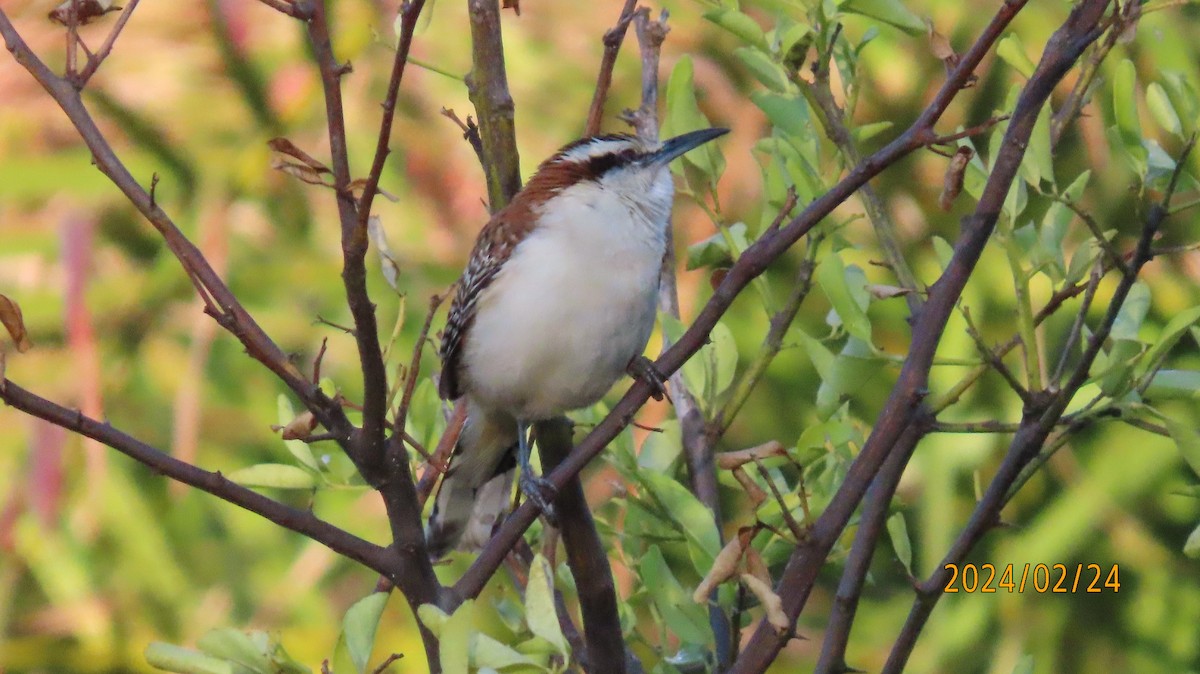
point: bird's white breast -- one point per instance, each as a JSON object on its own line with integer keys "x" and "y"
{"x": 575, "y": 301}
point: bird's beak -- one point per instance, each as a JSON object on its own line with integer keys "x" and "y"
{"x": 674, "y": 148}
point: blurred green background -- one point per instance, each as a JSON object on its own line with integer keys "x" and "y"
{"x": 98, "y": 556}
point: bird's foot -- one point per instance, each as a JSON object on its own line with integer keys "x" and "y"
{"x": 643, "y": 368}
{"x": 542, "y": 493}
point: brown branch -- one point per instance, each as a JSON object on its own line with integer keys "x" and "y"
{"x": 219, "y": 300}
{"x": 871, "y": 525}
{"x": 1060, "y": 55}
{"x": 287, "y": 7}
{"x": 749, "y": 266}
{"x": 650, "y": 34}
{"x": 441, "y": 455}
{"x": 414, "y": 366}
{"x": 409, "y": 11}
{"x": 487, "y": 86}
{"x": 613, "y": 38}
{"x": 94, "y": 60}
{"x": 585, "y": 556}
{"x": 300, "y": 521}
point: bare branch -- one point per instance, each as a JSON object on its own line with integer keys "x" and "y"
{"x": 301, "y": 521}
{"x": 487, "y": 85}
{"x": 94, "y": 60}
{"x": 613, "y": 38}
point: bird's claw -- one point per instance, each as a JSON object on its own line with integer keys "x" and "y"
{"x": 643, "y": 368}
{"x": 542, "y": 493}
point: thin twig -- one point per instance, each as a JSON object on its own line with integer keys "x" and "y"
{"x": 414, "y": 366}
{"x": 613, "y": 38}
{"x": 102, "y": 53}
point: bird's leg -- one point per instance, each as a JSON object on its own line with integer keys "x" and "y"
{"x": 641, "y": 367}
{"x": 537, "y": 489}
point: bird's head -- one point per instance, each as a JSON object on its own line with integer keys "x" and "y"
{"x": 618, "y": 165}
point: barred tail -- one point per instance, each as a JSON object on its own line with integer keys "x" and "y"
{"x": 477, "y": 490}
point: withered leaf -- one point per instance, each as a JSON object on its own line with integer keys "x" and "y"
{"x": 304, "y": 173}
{"x": 770, "y": 602}
{"x": 359, "y": 184}
{"x": 753, "y": 491}
{"x": 724, "y": 566}
{"x": 285, "y": 146}
{"x": 298, "y": 428}
{"x": 731, "y": 460}
{"x": 10, "y": 316}
{"x": 387, "y": 259}
{"x": 885, "y": 292}
{"x": 955, "y": 172}
{"x": 756, "y": 567}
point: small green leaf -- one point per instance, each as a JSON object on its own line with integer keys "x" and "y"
{"x": 274, "y": 476}
{"x": 660, "y": 450}
{"x": 1191, "y": 548}
{"x": 1186, "y": 439}
{"x": 455, "y": 639}
{"x": 789, "y": 114}
{"x": 738, "y": 23}
{"x": 763, "y": 68}
{"x": 1013, "y": 53}
{"x": 1132, "y": 313}
{"x": 359, "y": 626}
{"x": 237, "y": 646}
{"x": 540, "y": 614}
{"x": 433, "y": 618}
{"x": 898, "y": 532}
{"x": 869, "y": 131}
{"x": 489, "y": 654}
{"x": 688, "y": 620}
{"x": 1175, "y": 329}
{"x": 724, "y": 357}
{"x": 691, "y": 518}
{"x": 892, "y": 12}
{"x": 1173, "y": 385}
{"x": 173, "y": 658}
{"x": 833, "y": 275}
{"x": 1125, "y": 112}
{"x": 1162, "y": 110}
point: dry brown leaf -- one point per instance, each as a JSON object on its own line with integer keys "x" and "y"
{"x": 285, "y": 146}
{"x": 755, "y": 492}
{"x": 514, "y": 5}
{"x": 770, "y": 602}
{"x": 724, "y": 565}
{"x": 85, "y": 11}
{"x": 955, "y": 172}
{"x": 756, "y": 567}
{"x": 10, "y": 316}
{"x": 940, "y": 46}
{"x": 731, "y": 460}
{"x": 358, "y": 184}
{"x": 299, "y": 428}
{"x": 304, "y": 173}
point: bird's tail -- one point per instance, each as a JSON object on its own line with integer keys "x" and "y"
{"x": 477, "y": 489}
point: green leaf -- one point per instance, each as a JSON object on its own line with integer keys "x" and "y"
{"x": 298, "y": 448}
{"x": 789, "y": 114}
{"x": 237, "y": 646}
{"x": 833, "y": 277}
{"x": 1175, "y": 329}
{"x": 943, "y": 250}
{"x": 184, "y": 660}
{"x": 540, "y": 613}
{"x": 274, "y": 476}
{"x": 1132, "y": 313}
{"x": 1125, "y": 113}
{"x": 898, "y": 532}
{"x": 869, "y": 131}
{"x": 359, "y": 626}
{"x": 892, "y": 12}
{"x": 1162, "y": 110}
{"x": 738, "y": 23}
{"x": 489, "y": 654}
{"x": 687, "y": 619}
{"x": 660, "y": 450}
{"x": 1191, "y": 548}
{"x": 724, "y": 354}
{"x": 1013, "y": 53}
{"x": 683, "y": 115}
{"x": 714, "y": 251}
{"x": 1024, "y": 665}
{"x": 455, "y": 639}
{"x": 433, "y": 618}
{"x": 1173, "y": 384}
{"x": 691, "y": 517}
{"x": 1186, "y": 439}
{"x": 766, "y": 71}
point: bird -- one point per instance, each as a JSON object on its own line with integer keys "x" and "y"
{"x": 557, "y": 302}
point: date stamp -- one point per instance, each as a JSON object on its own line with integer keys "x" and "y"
{"x": 1039, "y": 578}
